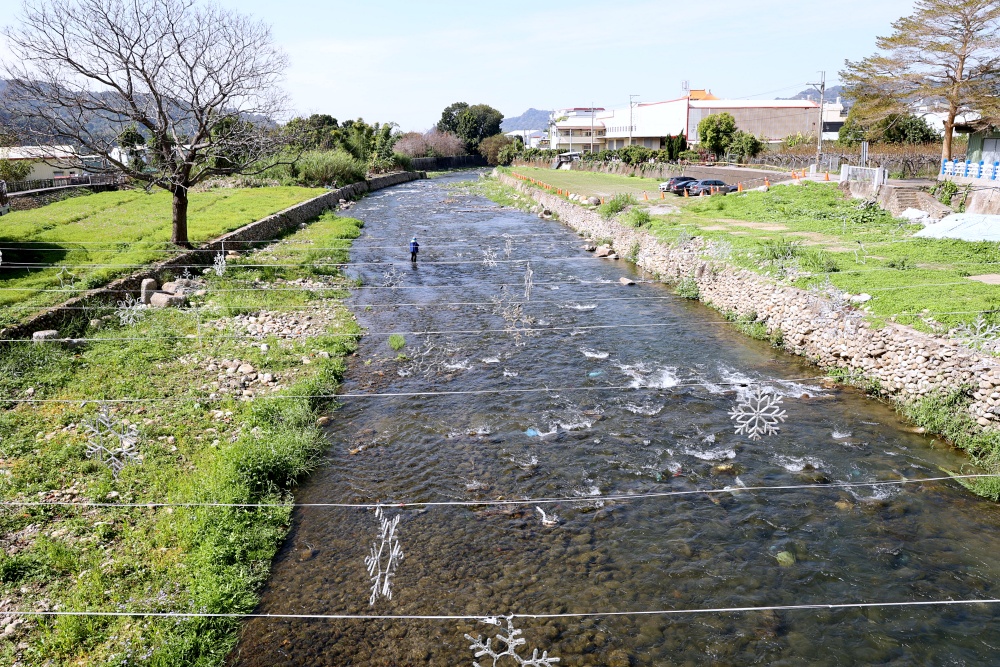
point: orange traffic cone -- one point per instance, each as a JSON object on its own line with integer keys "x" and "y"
{"x": 827, "y": 176}
{"x": 662, "y": 195}
{"x": 645, "y": 196}
{"x": 739, "y": 187}
{"x": 686, "y": 193}
{"x": 767, "y": 183}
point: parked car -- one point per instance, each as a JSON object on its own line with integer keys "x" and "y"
{"x": 673, "y": 184}
{"x": 709, "y": 187}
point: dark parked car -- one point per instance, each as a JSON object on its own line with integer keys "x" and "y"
{"x": 675, "y": 184}
{"x": 709, "y": 187}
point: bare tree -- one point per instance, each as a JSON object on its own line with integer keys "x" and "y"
{"x": 189, "y": 88}
{"x": 947, "y": 51}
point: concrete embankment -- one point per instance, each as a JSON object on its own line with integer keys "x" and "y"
{"x": 905, "y": 364}
{"x": 244, "y": 238}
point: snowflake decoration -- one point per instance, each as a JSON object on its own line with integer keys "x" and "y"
{"x": 517, "y": 324}
{"x": 130, "y": 311}
{"x": 721, "y": 251}
{"x": 112, "y": 443}
{"x": 66, "y": 278}
{"x": 980, "y": 335}
{"x": 758, "y": 414}
{"x": 219, "y": 264}
{"x": 431, "y": 358}
{"x": 508, "y": 246}
{"x": 384, "y": 557}
{"x": 529, "y": 282}
{"x": 512, "y": 640}
{"x": 392, "y": 277}
{"x": 187, "y": 274}
{"x": 490, "y": 258}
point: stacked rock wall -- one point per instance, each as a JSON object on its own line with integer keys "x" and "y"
{"x": 907, "y": 364}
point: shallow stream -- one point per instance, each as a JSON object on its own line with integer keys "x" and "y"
{"x": 677, "y": 371}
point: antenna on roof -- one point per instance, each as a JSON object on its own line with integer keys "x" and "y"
{"x": 685, "y": 86}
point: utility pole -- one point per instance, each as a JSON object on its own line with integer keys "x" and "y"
{"x": 630, "y": 125}
{"x": 591, "y": 127}
{"x": 821, "y": 87}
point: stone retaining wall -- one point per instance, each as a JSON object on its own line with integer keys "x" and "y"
{"x": 239, "y": 239}
{"x": 907, "y": 364}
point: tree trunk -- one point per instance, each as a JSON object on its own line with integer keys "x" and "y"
{"x": 180, "y": 217}
{"x": 949, "y": 130}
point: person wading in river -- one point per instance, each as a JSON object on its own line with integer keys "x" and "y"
{"x": 414, "y": 249}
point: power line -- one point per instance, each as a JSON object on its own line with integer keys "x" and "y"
{"x": 441, "y": 617}
{"x": 528, "y": 501}
{"x": 407, "y": 394}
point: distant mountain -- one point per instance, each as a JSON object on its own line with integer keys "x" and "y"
{"x": 832, "y": 93}
{"x": 532, "y": 119}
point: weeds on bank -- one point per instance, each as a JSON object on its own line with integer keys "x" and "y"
{"x": 193, "y": 449}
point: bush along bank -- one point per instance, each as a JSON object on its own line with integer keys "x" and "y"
{"x": 225, "y": 417}
{"x": 942, "y": 385}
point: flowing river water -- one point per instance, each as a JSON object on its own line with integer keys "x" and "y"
{"x": 635, "y": 409}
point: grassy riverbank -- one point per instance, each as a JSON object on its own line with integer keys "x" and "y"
{"x": 207, "y": 430}
{"x": 813, "y": 233}
{"x": 79, "y": 243}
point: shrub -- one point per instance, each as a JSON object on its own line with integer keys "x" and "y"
{"x": 509, "y": 153}
{"x": 397, "y": 342}
{"x": 616, "y": 205}
{"x": 947, "y": 192}
{"x": 818, "y": 261}
{"x": 333, "y": 168}
{"x": 403, "y": 161}
{"x": 490, "y": 148}
{"x": 636, "y": 217}
{"x": 687, "y": 288}
{"x": 780, "y": 249}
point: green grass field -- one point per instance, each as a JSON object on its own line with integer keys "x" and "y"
{"x": 192, "y": 448}
{"x": 814, "y": 233}
{"x": 81, "y": 242}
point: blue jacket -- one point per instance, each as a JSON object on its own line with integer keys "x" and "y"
{"x": 414, "y": 246}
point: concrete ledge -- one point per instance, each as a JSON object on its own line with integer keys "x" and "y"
{"x": 242, "y": 238}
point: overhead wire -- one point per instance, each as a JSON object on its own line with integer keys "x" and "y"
{"x": 628, "y": 497}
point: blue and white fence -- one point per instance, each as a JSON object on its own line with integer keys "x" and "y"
{"x": 975, "y": 170}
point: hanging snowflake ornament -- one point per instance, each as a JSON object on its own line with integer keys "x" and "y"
{"x": 508, "y": 246}
{"x": 980, "y": 334}
{"x": 512, "y": 641}
{"x": 130, "y": 311}
{"x": 66, "y": 278}
{"x": 758, "y": 414}
{"x": 431, "y": 358}
{"x": 112, "y": 443}
{"x": 490, "y": 258}
{"x": 517, "y": 324}
{"x": 384, "y": 558}
{"x": 720, "y": 250}
{"x": 529, "y": 281}
{"x": 219, "y": 264}
{"x": 392, "y": 277}
{"x": 186, "y": 275}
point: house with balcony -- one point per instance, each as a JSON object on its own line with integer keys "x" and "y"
{"x": 577, "y": 129}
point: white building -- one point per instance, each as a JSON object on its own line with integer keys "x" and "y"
{"x": 530, "y": 138}
{"x": 646, "y": 124}
{"x": 46, "y": 161}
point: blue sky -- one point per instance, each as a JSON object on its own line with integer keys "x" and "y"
{"x": 405, "y": 61}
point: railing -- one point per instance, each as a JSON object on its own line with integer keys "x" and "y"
{"x": 874, "y": 175}
{"x": 977, "y": 170}
{"x": 51, "y": 183}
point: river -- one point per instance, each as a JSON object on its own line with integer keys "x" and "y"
{"x": 631, "y": 391}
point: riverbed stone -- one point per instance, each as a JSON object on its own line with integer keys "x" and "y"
{"x": 146, "y": 290}
{"x": 626, "y": 281}
{"x": 166, "y": 300}
{"x": 47, "y": 334}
